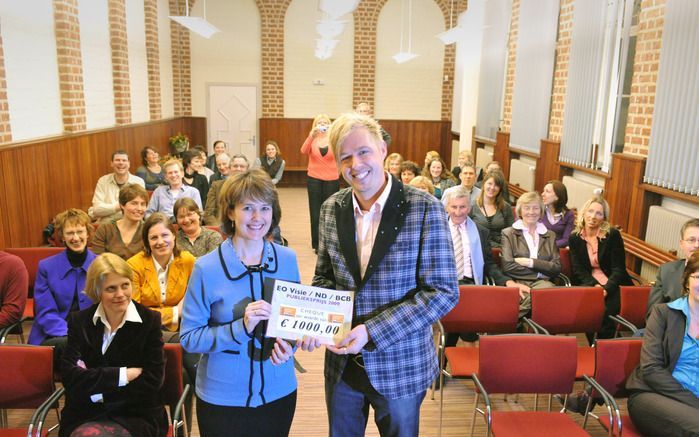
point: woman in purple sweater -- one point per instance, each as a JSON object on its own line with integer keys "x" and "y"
{"x": 557, "y": 217}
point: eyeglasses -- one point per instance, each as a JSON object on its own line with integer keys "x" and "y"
{"x": 78, "y": 233}
{"x": 695, "y": 277}
{"x": 692, "y": 240}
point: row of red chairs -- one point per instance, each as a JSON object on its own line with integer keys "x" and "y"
{"x": 494, "y": 310}
{"x": 27, "y": 383}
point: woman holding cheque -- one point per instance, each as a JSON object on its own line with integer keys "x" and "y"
{"x": 245, "y": 382}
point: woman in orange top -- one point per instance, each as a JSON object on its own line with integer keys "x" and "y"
{"x": 323, "y": 176}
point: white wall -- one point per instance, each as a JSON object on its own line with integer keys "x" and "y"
{"x": 468, "y": 60}
{"x": 164, "y": 47}
{"x": 31, "y": 69}
{"x": 301, "y": 97}
{"x": 138, "y": 64}
{"x": 231, "y": 56}
{"x": 411, "y": 90}
{"x": 98, "y": 81}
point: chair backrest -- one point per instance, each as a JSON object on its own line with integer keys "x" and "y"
{"x": 634, "y": 304}
{"x": 497, "y": 256}
{"x": 566, "y": 266}
{"x": 217, "y": 229}
{"x": 26, "y": 379}
{"x": 527, "y": 363}
{"x": 172, "y": 386}
{"x": 31, "y": 257}
{"x": 615, "y": 359}
{"x": 567, "y": 310}
{"x": 484, "y": 309}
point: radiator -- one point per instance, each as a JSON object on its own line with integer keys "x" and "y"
{"x": 663, "y": 231}
{"x": 484, "y": 156}
{"x": 579, "y": 191}
{"x": 522, "y": 174}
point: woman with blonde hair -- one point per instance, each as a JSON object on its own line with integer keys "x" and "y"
{"x": 323, "y": 176}
{"x": 392, "y": 164}
{"x": 423, "y": 184}
{"x": 113, "y": 365}
{"x": 490, "y": 208}
{"x": 598, "y": 257}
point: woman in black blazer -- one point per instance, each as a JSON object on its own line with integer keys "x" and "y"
{"x": 598, "y": 257}
{"x": 113, "y": 366}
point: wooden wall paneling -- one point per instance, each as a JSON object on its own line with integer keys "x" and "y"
{"x": 621, "y": 188}
{"x": 502, "y": 152}
{"x": 547, "y": 166}
{"x": 4, "y": 231}
{"x": 289, "y": 134}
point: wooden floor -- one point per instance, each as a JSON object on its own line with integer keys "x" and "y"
{"x": 311, "y": 418}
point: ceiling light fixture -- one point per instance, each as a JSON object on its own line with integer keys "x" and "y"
{"x": 402, "y": 56}
{"x": 455, "y": 33}
{"x": 198, "y": 25}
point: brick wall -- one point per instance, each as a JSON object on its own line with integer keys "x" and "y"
{"x": 645, "y": 76}
{"x": 120, "y": 61}
{"x": 449, "y": 64}
{"x": 70, "y": 71}
{"x": 181, "y": 62}
{"x": 153, "y": 58}
{"x": 560, "y": 75}
{"x": 5, "y": 128}
{"x": 511, "y": 62}
{"x": 272, "y": 14}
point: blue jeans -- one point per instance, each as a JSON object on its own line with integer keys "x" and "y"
{"x": 348, "y": 412}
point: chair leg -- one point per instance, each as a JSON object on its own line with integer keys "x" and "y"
{"x": 536, "y": 401}
{"x": 441, "y": 401}
{"x": 3, "y": 418}
{"x": 473, "y": 417}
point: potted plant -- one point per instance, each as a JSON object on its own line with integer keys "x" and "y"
{"x": 178, "y": 143}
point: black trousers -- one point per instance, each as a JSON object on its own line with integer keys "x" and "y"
{"x": 655, "y": 415}
{"x": 318, "y": 192}
{"x": 270, "y": 420}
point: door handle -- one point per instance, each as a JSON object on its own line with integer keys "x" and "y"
{"x": 253, "y": 140}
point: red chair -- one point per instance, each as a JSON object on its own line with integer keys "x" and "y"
{"x": 615, "y": 360}
{"x": 217, "y": 229}
{"x": 566, "y": 265}
{"x": 31, "y": 257}
{"x": 633, "y": 309}
{"x": 174, "y": 391}
{"x": 26, "y": 382}
{"x": 536, "y": 364}
{"x": 569, "y": 310}
{"x": 481, "y": 309}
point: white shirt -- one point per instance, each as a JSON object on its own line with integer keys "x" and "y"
{"x": 106, "y": 197}
{"x": 162, "y": 283}
{"x": 108, "y": 335}
{"x": 465, "y": 246}
{"x": 367, "y": 225}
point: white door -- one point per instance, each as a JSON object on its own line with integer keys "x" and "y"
{"x": 233, "y": 118}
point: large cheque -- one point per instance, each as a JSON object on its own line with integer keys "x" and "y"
{"x": 299, "y": 310}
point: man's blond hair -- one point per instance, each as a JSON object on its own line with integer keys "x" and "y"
{"x": 345, "y": 123}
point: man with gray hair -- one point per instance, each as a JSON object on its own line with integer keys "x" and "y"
{"x": 238, "y": 164}
{"x": 223, "y": 167}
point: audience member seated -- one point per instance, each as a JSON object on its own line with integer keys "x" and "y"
{"x": 422, "y": 183}
{"x": 472, "y": 252}
{"x": 151, "y": 171}
{"x": 191, "y": 161}
{"x": 123, "y": 237}
{"x": 164, "y": 197}
{"x": 219, "y": 148}
{"x": 668, "y": 282}
{"x": 529, "y": 253}
{"x": 598, "y": 258}
{"x": 105, "y": 201}
{"x": 272, "y": 163}
{"x": 494, "y": 166}
{"x": 200, "y": 164}
{"x": 60, "y": 280}
{"x": 557, "y": 217}
{"x": 439, "y": 175}
{"x": 664, "y": 394}
{"x": 113, "y": 364}
{"x": 491, "y": 210}
{"x": 392, "y": 164}
{"x": 160, "y": 275}
{"x": 239, "y": 164}
{"x": 191, "y": 235}
{"x": 429, "y": 157}
{"x": 408, "y": 171}
{"x": 14, "y": 283}
{"x": 223, "y": 168}
{"x": 467, "y": 175}
{"x": 464, "y": 157}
